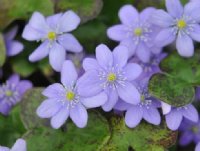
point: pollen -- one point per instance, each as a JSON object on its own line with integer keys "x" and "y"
{"x": 8, "y": 93}
{"x": 70, "y": 96}
{"x": 51, "y": 35}
{"x": 181, "y": 24}
{"x": 138, "y": 31}
{"x": 195, "y": 129}
{"x": 111, "y": 77}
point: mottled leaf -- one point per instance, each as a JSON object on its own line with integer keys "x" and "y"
{"x": 171, "y": 90}
{"x": 143, "y": 137}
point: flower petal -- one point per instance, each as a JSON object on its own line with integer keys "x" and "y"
{"x": 121, "y": 105}
{"x": 130, "y": 44}
{"x": 195, "y": 33}
{"x": 10, "y": 35}
{"x": 190, "y": 113}
{"x": 55, "y": 90}
{"x": 20, "y": 145}
{"x": 59, "y": 118}
{"x": 41, "y": 52}
{"x": 57, "y": 56}
{"x": 174, "y": 7}
{"x": 111, "y": 100}
{"x": 165, "y": 37}
{"x": 38, "y": 22}
{"x": 70, "y": 43}
{"x": 146, "y": 14}
{"x": 151, "y": 115}
{"x": 184, "y": 45}
{"x": 132, "y": 71}
{"x": 14, "y": 79}
{"x": 14, "y": 48}
{"x": 90, "y": 64}
{"x": 4, "y": 107}
{"x": 197, "y": 148}
{"x": 174, "y": 119}
{"x": 48, "y": 108}
{"x": 53, "y": 20}
{"x": 166, "y": 108}
{"x": 192, "y": 9}
{"x": 79, "y": 115}
{"x": 23, "y": 86}
{"x": 104, "y": 56}
{"x": 31, "y": 34}
{"x": 186, "y": 138}
{"x": 69, "y": 21}
{"x": 117, "y": 32}
{"x": 120, "y": 56}
{"x": 89, "y": 84}
{"x": 133, "y": 116}
{"x": 95, "y": 101}
{"x": 143, "y": 52}
{"x": 161, "y": 18}
{"x": 68, "y": 74}
{"x": 129, "y": 93}
{"x": 128, "y": 15}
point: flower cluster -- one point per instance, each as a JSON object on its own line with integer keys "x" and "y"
{"x": 112, "y": 79}
{"x": 118, "y": 79}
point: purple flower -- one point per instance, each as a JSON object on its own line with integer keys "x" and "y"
{"x": 11, "y": 93}
{"x": 13, "y": 47}
{"x": 110, "y": 73}
{"x": 190, "y": 132}
{"x": 197, "y": 148}
{"x": 20, "y": 145}
{"x": 136, "y": 32}
{"x": 146, "y": 109}
{"x": 197, "y": 94}
{"x": 149, "y": 68}
{"x": 174, "y": 116}
{"x": 63, "y": 100}
{"x": 180, "y": 24}
{"x": 53, "y": 32}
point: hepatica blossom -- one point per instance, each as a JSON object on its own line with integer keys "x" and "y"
{"x": 136, "y": 32}
{"x": 13, "y": 47}
{"x": 146, "y": 109}
{"x": 190, "y": 132}
{"x": 54, "y": 33}
{"x": 174, "y": 115}
{"x": 180, "y": 24}
{"x": 11, "y": 93}
{"x": 197, "y": 148}
{"x": 63, "y": 100}
{"x": 110, "y": 73}
{"x": 20, "y": 145}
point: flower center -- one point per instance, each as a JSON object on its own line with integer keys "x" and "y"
{"x": 195, "y": 129}
{"x": 8, "y": 93}
{"x": 181, "y": 24}
{"x": 111, "y": 77}
{"x": 138, "y": 31}
{"x": 142, "y": 98}
{"x": 70, "y": 96}
{"x": 51, "y": 35}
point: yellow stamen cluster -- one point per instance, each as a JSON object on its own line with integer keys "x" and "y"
{"x": 8, "y": 93}
{"x": 181, "y": 24}
{"x": 111, "y": 77}
{"x": 70, "y": 96}
{"x": 138, "y": 31}
{"x": 51, "y": 35}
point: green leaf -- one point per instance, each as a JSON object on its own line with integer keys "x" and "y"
{"x": 19, "y": 9}
{"x": 11, "y": 127}
{"x": 187, "y": 69}
{"x": 70, "y": 138}
{"x": 172, "y": 90}
{"x": 87, "y": 9}
{"x": 2, "y": 51}
{"x": 144, "y": 137}
{"x": 29, "y": 104}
